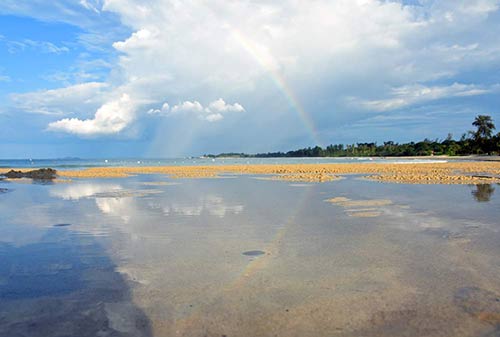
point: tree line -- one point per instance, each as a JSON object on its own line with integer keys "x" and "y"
{"x": 479, "y": 141}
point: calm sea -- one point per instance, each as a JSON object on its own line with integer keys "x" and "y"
{"x": 148, "y": 256}
{"x": 73, "y": 163}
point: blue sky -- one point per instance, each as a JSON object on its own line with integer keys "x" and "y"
{"x": 122, "y": 78}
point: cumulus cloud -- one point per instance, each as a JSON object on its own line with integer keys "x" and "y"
{"x": 143, "y": 38}
{"x": 221, "y": 106}
{"x": 164, "y": 110}
{"x": 111, "y": 118}
{"x": 318, "y": 52}
{"x": 213, "y": 112}
{"x": 213, "y": 117}
{"x": 187, "y": 106}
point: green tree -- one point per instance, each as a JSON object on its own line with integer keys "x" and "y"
{"x": 482, "y": 137}
{"x": 485, "y": 127}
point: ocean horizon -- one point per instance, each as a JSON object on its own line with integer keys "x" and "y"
{"x": 80, "y": 163}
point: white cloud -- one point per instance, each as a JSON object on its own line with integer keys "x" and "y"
{"x": 214, "y": 112}
{"x": 62, "y": 101}
{"x": 187, "y": 106}
{"x": 226, "y": 48}
{"x": 111, "y": 118}
{"x": 317, "y": 52}
{"x": 141, "y": 39}
{"x": 163, "y": 111}
{"x": 91, "y": 5}
{"x": 213, "y": 117}
{"x": 413, "y": 94}
{"x": 221, "y": 106}
{"x": 42, "y": 46}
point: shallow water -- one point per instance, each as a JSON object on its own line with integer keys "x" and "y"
{"x": 248, "y": 257}
{"x": 76, "y": 163}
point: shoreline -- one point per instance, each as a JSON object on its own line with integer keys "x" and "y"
{"x": 438, "y": 157}
{"x": 453, "y": 172}
{"x": 474, "y": 157}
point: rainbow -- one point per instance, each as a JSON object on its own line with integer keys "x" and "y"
{"x": 272, "y": 249}
{"x": 266, "y": 62}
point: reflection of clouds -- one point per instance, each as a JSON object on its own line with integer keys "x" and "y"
{"x": 119, "y": 203}
{"x": 409, "y": 220}
{"x": 113, "y": 206}
{"x": 77, "y": 191}
{"x": 141, "y": 213}
{"x": 120, "y": 207}
{"x": 454, "y": 232}
{"x": 111, "y": 199}
{"x": 211, "y": 204}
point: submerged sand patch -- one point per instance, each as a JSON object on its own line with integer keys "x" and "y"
{"x": 126, "y": 193}
{"x": 309, "y": 178}
{"x": 159, "y": 183}
{"x": 435, "y": 179}
{"x": 361, "y": 208}
{"x": 365, "y": 214}
{"x": 30, "y": 181}
{"x": 366, "y": 203}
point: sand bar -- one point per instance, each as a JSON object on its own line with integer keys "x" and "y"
{"x": 472, "y": 172}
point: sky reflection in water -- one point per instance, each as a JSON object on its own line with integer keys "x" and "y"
{"x": 170, "y": 256}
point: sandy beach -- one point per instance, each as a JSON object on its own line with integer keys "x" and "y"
{"x": 452, "y": 172}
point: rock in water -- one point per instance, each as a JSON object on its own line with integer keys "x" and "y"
{"x": 40, "y": 174}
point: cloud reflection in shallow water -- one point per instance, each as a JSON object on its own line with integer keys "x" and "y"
{"x": 76, "y": 191}
{"x": 192, "y": 252}
{"x": 211, "y": 204}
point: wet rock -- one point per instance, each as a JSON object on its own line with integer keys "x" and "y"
{"x": 480, "y": 303}
{"x": 40, "y": 174}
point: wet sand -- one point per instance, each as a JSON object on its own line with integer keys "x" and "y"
{"x": 472, "y": 172}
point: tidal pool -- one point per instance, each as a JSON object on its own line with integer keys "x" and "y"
{"x": 148, "y": 256}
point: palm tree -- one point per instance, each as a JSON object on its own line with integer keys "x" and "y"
{"x": 485, "y": 127}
